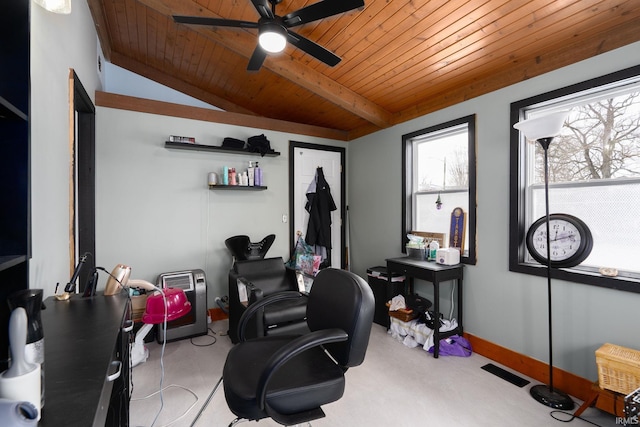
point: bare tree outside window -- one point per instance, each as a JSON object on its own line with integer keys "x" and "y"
{"x": 594, "y": 174}
{"x": 600, "y": 140}
{"x": 460, "y": 169}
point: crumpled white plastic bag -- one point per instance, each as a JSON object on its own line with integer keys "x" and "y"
{"x": 397, "y": 303}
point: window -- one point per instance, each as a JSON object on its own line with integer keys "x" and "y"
{"x": 439, "y": 177}
{"x": 594, "y": 174}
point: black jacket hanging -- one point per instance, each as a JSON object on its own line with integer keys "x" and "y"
{"x": 320, "y": 204}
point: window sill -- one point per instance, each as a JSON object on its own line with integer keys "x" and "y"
{"x": 579, "y": 275}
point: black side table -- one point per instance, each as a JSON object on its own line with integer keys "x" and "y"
{"x": 435, "y": 273}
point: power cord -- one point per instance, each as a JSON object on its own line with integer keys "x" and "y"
{"x": 164, "y": 344}
{"x": 162, "y": 374}
{"x": 166, "y": 314}
{"x": 166, "y": 388}
{"x": 453, "y": 288}
{"x": 552, "y": 414}
{"x": 213, "y": 335}
{"x": 122, "y": 287}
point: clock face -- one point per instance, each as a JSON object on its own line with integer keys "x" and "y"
{"x": 570, "y": 238}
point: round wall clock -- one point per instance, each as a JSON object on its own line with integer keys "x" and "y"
{"x": 571, "y": 240}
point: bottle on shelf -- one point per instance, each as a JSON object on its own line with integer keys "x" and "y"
{"x": 225, "y": 175}
{"x": 257, "y": 175}
{"x": 250, "y": 174}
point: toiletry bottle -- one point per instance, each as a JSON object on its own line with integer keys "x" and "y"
{"x": 433, "y": 249}
{"x": 232, "y": 179}
{"x": 244, "y": 179}
{"x": 225, "y": 175}
{"x": 257, "y": 175}
{"x": 250, "y": 174}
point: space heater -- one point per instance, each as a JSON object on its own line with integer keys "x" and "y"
{"x": 194, "y": 285}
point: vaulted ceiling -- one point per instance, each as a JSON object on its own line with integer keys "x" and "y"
{"x": 400, "y": 58}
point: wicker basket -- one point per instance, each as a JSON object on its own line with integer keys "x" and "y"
{"x": 618, "y": 368}
{"x": 403, "y": 314}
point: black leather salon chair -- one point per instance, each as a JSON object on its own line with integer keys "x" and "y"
{"x": 289, "y": 377}
{"x": 242, "y": 248}
{"x": 253, "y": 280}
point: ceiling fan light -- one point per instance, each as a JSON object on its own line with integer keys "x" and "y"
{"x": 271, "y": 38}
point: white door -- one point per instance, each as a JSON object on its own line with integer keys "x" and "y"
{"x": 305, "y": 162}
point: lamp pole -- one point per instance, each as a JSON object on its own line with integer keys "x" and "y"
{"x": 542, "y": 393}
{"x": 542, "y": 130}
{"x": 544, "y": 142}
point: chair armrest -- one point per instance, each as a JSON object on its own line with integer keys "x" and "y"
{"x": 289, "y": 351}
{"x": 253, "y": 292}
{"x": 292, "y": 278}
{"x": 258, "y": 305}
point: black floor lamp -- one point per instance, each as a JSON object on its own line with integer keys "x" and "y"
{"x": 542, "y": 130}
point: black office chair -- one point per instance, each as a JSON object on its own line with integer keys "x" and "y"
{"x": 242, "y": 248}
{"x": 289, "y": 378}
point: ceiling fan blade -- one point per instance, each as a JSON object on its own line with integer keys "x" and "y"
{"x": 258, "y": 57}
{"x": 215, "y": 22}
{"x": 313, "y": 49}
{"x": 320, "y": 10}
{"x": 262, "y": 6}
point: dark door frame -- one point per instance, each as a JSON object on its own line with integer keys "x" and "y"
{"x": 343, "y": 190}
{"x": 83, "y": 146}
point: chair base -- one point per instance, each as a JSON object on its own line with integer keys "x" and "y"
{"x": 299, "y": 419}
{"x": 242, "y": 420}
{"x": 237, "y": 421}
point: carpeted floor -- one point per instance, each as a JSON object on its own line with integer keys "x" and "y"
{"x": 395, "y": 386}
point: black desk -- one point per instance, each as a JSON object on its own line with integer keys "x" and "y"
{"x": 434, "y": 273}
{"x": 82, "y": 337}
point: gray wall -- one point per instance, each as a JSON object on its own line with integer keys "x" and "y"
{"x": 137, "y": 177}
{"x": 506, "y": 308}
{"x": 58, "y": 43}
{"x": 155, "y": 211}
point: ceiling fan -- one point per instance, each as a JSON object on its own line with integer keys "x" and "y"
{"x": 274, "y": 32}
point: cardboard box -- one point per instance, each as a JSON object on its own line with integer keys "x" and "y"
{"x": 138, "y": 305}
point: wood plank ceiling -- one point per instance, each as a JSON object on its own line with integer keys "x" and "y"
{"x": 400, "y": 58}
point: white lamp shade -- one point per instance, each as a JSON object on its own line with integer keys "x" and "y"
{"x": 543, "y": 126}
{"x": 55, "y": 6}
{"x": 272, "y": 38}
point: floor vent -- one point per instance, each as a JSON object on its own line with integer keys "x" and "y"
{"x": 505, "y": 375}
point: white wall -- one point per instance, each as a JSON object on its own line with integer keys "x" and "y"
{"x": 58, "y": 43}
{"x": 506, "y": 308}
{"x": 155, "y": 211}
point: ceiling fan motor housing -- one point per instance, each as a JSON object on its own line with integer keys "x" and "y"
{"x": 274, "y": 31}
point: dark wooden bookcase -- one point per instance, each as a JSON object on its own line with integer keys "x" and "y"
{"x": 14, "y": 159}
